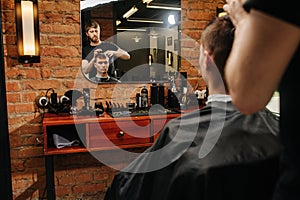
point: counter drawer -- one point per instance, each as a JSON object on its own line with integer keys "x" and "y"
{"x": 158, "y": 125}
{"x": 118, "y": 133}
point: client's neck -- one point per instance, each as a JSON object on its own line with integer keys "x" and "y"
{"x": 102, "y": 75}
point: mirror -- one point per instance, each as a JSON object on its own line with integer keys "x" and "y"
{"x": 148, "y": 30}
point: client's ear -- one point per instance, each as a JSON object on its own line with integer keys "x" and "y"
{"x": 209, "y": 62}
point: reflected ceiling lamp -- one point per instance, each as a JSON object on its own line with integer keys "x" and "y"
{"x": 145, "y": 21}
{"x": 27, "y": 28}
{"x": 171, "y": 19}
{"x": 118, "y": 22}
{"x": 147, "y": 1}
{"x": 136, "y": 39}
{"x": 163, "y": 6}
{"x": 132, "y": 29}
{"x": 130, "y": 12}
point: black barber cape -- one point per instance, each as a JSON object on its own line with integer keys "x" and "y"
{"x": 242, "y": 163}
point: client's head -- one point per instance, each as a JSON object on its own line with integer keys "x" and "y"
{"x": 216, "y": 43}
{"x": 101, "y": 64}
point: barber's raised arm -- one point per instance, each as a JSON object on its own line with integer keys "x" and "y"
{"x": 262, "y": 49}
{"x": 119, "y": 53}
{"x": 87, "y": 66}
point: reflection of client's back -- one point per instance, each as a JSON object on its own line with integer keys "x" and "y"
{"x": 101, "y": 64}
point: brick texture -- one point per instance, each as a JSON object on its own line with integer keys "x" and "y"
{"x": 77, "y": 176}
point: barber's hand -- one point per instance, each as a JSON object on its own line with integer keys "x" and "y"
{"x": 97, "y": 51}
{"x": 110, "y": 53}
{"x": 235, "y": 10}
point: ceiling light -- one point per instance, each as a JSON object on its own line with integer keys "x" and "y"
{"x": 132, "y": 29}
{"x": 136, "y": 39}
{"x": 163, "y": 7}
{"x": 147, "y": 1}
{"x": 118, "y": 22}
{"x": 130, "y": 12}
{"x": 146, "y": 21}
{"x": 171, "y": 19}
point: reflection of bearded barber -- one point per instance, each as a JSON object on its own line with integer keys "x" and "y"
{"x": 101, "y": 65}
{"x": 92, "y": 31}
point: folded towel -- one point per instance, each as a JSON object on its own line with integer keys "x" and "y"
{"x": 61, "y": 142}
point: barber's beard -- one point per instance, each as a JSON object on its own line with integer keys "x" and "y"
{"x": 95, "y": 39}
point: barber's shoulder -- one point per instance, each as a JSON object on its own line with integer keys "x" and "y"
{"x": 110, "y": 45}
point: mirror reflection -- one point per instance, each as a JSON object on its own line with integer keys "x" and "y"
{"x": 140, "y": 39}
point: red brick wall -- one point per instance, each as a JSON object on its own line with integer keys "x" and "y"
{"x": 195, "y": 15}
{"x": 104, "y": 16}
{"x": 76, "y": 175}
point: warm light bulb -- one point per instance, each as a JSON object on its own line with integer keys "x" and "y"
{"x": 28, "y": 27}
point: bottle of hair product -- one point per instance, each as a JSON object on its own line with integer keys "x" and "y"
{"x": 138, "y": 101}
{"x": 161, "y": 95}
{"x": 153, "y": 94}
{"x": 99, "y": 108}
{"x": 144, "y": 96}
{"x": 173, "y": 102}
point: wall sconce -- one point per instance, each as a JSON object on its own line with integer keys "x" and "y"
{"x": 150, "y": 59}
{"x": 28, "y": 32}
{"x": 169, "y": 58}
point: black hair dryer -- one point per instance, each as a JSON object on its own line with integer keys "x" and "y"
{"x": 86, "y": 109}
{"x": 86, "y": 98}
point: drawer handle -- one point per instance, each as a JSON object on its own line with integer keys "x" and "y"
{"x": 120, "y": 134}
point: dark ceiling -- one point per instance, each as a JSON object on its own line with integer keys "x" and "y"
{"x": 145, "y": 13}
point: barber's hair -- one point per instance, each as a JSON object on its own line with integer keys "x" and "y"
{"x": 91, "y": 24}
{"x": 217, "y": 39}
{"x": 101, "y": 56}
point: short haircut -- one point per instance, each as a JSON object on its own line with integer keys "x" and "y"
{"x": 217, "y": 38}
{"x": 91, "y": 24}
{"x": 101, "y": 56}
